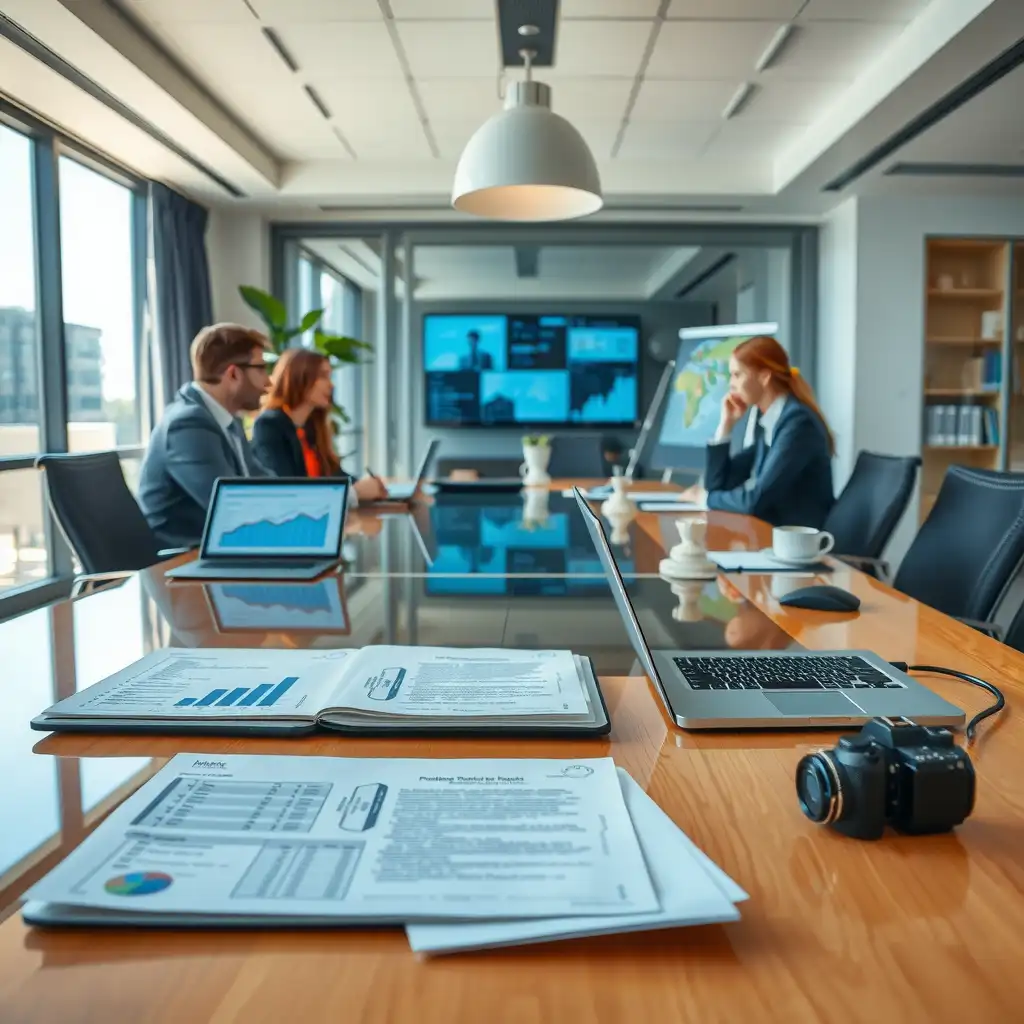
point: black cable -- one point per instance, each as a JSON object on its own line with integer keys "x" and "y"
{"x": 992, "y": 709}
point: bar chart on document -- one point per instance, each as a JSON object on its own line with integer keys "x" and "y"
{"x": 203, "y": 683}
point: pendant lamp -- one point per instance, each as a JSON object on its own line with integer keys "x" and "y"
{"x": 527, "y": 163}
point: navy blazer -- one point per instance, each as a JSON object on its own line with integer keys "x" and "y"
{"x": 792, "y": 477}
{"x": 276, "y": 443}
{"x": 187, "y": 453}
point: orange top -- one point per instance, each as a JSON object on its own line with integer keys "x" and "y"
{"x": 313, "y": 466}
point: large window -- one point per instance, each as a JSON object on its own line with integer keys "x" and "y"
{"x": 343, "y": 314}
{"x": 72, "y": 294}
{"x": 20, "y": 405}
{"x": 99, "y": 327}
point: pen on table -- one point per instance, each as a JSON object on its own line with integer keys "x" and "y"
{"x": 373, "y": 476}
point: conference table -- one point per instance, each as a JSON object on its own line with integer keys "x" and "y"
{"x": 906, "y": 928}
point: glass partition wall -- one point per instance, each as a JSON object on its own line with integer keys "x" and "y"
{"x": 512, "y": 280}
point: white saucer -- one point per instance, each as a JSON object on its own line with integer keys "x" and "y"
{"x": 673, "y": 571}
{"x": 803, "y": 562}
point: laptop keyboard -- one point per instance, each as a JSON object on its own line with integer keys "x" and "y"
{"x": 750, "y": 672}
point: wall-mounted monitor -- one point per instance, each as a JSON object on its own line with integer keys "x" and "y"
{"x": 514, "y": 370}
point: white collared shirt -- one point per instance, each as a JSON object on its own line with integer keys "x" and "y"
{"x": 770, "y": 419}
{"x": 224, "y": 420}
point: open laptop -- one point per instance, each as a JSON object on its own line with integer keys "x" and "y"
{"x": 406, "y": 492}
{"x": 770, "y": 689}
{"x": 270, "y": 528}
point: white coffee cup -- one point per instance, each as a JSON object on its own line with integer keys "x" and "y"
{"x": 800, "y": 543}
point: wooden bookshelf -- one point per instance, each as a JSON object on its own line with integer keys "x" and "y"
{"x": 1015, "y": 438}
{"x": 964, "y": 337}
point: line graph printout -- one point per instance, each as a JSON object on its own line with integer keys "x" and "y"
{"x": 257, "y": 519}
{"x": 221, "y": 682}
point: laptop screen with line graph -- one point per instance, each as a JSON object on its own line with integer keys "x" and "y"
{"x": 275, "y": 518}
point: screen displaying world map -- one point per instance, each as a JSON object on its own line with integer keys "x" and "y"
{"x": 694, "y": 402}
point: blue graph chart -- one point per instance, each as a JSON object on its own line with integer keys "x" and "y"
{"x": 265, "y": 695}
{"x": 302, "y": 597}
{"x": 300, "y": 531}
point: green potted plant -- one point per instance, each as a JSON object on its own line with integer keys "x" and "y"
{"x": 339, "y": 348}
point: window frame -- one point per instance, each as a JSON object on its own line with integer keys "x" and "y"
{"x": 48, "y": 145}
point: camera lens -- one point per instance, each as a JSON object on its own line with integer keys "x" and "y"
{"x": 818, "y": 788}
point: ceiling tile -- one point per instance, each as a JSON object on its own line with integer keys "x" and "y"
{"x": 660, "y": 100}
{"x": 162, "y": 11}
{"x": 833, "y": 50}
{"x": 460, "y": 99}
{"x": 451, "y": 49}
{"x": 285, "y": 12}
{"x": 864, "y": 10}
{"x": 581, "y": 99}
{"x": 347, "y": 100}
{"x": 793, "y": 102}
{"x": 609, "y": 8}
{"x": 397, "y": 138}
{"x": 356, "y": 49}
{"x": 709, "y": 51}
{"x": 601, "y": 48}
{"x": 685, "y": 139}
{"x": 745, "y": 10}
{"x": 760, "y": 139}
{"x": 429, "y": 10}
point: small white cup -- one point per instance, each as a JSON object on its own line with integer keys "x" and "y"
{"x": 800, "y": 543}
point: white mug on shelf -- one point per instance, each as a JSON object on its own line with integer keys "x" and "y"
{"x": 800, "y": 543}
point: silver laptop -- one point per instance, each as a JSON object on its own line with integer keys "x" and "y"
{"x": 770, "y": 689}
{"x": 406, "y": 492}
{"x": 270, "y": 528}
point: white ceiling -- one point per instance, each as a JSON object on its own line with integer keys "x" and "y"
{"x": 407, "y": 82}
{"x": 622, "y": 272}
{"x": 346, "y": 50}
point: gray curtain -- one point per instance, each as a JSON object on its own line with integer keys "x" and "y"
{"x": 183, "y": 301}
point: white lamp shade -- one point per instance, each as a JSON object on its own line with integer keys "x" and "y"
{"x": 527, "y": 164}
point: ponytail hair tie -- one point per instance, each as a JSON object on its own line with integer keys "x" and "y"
{"x": 794, "y": 372}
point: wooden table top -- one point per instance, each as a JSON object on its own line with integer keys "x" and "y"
{"x": 909, "y": 928}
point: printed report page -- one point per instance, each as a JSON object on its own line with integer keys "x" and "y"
{"x": 363, "y": 838}
{"x": 215, "y": 683}
{"x": 455, "y": 682}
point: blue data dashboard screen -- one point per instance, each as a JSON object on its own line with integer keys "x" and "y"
{"x": 277, "y": 519}
{"x": 486, "y": 550}
{"x": 517, "y": 370}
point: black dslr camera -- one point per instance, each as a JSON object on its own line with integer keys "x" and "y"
{"x": 897, "y": 773}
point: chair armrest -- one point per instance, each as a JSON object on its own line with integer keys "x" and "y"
{"x": 173, "y": 552}
{"x": 88, "y": 582}
{"x": 988, "y": 628}
{"x": 872, "y": 566}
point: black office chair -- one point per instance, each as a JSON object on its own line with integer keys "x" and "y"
{"x": 99, "y": 517}
{"x": 971, "y": 545}
{"x": 577, "y": 455}
{"x": 870, "y": 507}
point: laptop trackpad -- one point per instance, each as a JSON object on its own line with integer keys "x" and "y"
{"x": 803, "y": 705}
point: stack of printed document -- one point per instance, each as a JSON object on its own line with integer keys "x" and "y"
{"x": 372, "y": 691}
{"x": 513, "y": 850}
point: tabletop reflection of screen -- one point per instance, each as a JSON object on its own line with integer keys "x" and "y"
{"x": 279, "y": 606}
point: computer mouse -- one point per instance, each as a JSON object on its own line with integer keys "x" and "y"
{"x": 822, "y": 599}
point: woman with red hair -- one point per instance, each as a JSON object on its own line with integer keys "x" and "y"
{"x": 293, "y": 436}
{"x": 785, "y": 477}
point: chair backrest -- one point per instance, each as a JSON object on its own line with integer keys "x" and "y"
{"x": 577, "y": 455}
{"x": 872, "y": 503}
{"x": 970, "y": 546}
{"x": 96, "y": 511}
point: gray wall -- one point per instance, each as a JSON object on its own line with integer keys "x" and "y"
{"x": 496, "y": 442}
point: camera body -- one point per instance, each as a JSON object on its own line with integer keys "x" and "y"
{"x": 892, "y": 772}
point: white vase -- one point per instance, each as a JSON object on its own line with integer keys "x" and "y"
{"x": 534, "y": 469}
{"x": 618, "y": 505}
{"x": 688, "y": 560}
{"x": 535, "y": 507}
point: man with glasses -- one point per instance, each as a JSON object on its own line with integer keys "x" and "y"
{"x": 200, "y": 437}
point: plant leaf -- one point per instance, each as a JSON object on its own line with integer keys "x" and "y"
{"x": 310, "y": 320}
{"x": 270, "y": 310}
{"x": 340, "y": 347}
